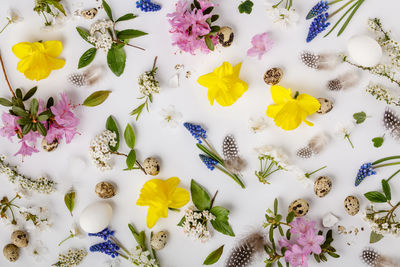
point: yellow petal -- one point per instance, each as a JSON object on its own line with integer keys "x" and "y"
{"x": 55, "y": 63}
{"x": 152, "y": 217}
{"x": 179, "y": 198}
{"x": 53, "y": 48}
{"x": 226, "y": 97}
{"x": 151, "y": 193}
{"x": 22, "y": 50}
{"x": 225, "y": 69}
{"x": 236, "y": 69}
{"x": 170, "y": 185}
{"x": 273, "y": 110}
{"x": 280, "y": 95}
{"x": 34, "y": 67}
{"x": 308, "y": 103}
{"x": 290, "y": 116}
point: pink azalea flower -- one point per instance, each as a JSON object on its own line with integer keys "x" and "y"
{"x": 31, "y": 137}
{"x": 311, "y": 242}
{"x": 261, "y": 45}
{"x": 10, "y": 127}
{"x": 301, "y": 226}
{"x": 26, "y": 150}
{"x": 284, "y": 243}
{"x": 297, "y": 256}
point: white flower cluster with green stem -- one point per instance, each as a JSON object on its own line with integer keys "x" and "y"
{"x": 73, "y": 257}
{"x": 99, "y": 149}
{"x": 100, "y": 36}
{"x": 382, "y": 222}
{"x": 382, "y": 94}
{"x": 148, "y": 84}
{"x": 195, "y": 224}
{"x": 38, "y": 216}
{"x": 141, "y": 258}
{"x": 41, "y": 185}
{"x": 271, "y": 160}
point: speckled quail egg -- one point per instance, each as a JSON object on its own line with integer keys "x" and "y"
{"x": 322, "y": 186}
{"x": 159, "y": 240}
{"x": 225, "y": 36}
{"x": 20, "y": 238}
{"x": 105, "y": 190}
{"x": 48, "y": 147}
{"x": 11, "y": 252}
{"x": 151, "y": 166}
{"x": 273, "y": 76}
{"x": 300, "y": 207}
{"x": 326, "y": 105}
{"x": 352, "y": 205}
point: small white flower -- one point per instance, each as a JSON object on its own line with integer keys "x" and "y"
{"x": 170, "y": 116}
{"x": 13, "y": 16}
{"x": 344, "y": 128}
{"x": 283, "y": 17}
{"x": 257, "y": 125}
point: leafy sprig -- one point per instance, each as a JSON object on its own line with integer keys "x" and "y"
{"x": 49, "y": 7}
{"x": 214, "y": 256}
{"x": 140, "y": 238}
{"x": 116, "y": 57}
{"x": 6, "y": 205}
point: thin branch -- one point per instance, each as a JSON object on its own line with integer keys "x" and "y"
{"x": 213, "y": 199}
{"x": 138, "y": 47}
{"x": 5, "y": 76}
{"x": 154, "y": 64}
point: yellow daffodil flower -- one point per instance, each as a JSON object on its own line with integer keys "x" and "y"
{"x": 224, "y": 84}
{"x": 38, "y": 59}
{"x": 160, "y": 195}
{"x": 289, "y": 112}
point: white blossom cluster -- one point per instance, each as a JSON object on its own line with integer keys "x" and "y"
{"x": 73, "y": 257}
{"x": 383, "y": 69}
{"x": 195, "y": 224}
{"x": 382, "y": 94}
{"x": 100, "y": 36}
{"x": 283, "y": 17}
{"x": 38, "y": 216}
{"x": 41, "y": 185}
{"x": 148, "y": 83}
{"x": 275, "y": 155}
{"x": 380, "y": 224}
{"x": 99, "y": 149}
{"x": 142, "y": 258}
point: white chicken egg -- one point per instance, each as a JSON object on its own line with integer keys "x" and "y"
{"x": 96, "y": 217}
{"x": 364, "y": 51}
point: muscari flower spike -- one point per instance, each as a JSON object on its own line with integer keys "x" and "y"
{"x": 209, "y": 162}
{"x": 318, "y": 9}
{"x": 318, "y": 25}
{"x": 107, "y": 247}
{"x": 196, "y": 131}
{"x": 105, "y": 234}
{"x": 365, "y": 170}
{"x": 147, "y": 6}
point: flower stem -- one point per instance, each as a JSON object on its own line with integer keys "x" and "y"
{"x": 340, "y": 8}
{"x": 213, "y": 199}
{"x": 334, "y": 2}
{"x": 138, "y": 47}
{"x": 9, "y": 22}
{"x": 69, "y": 237}
{"x": 347, "y": 136}
{"x": 5, "y": 76}
{"x": 388, "y": 179}
{"x": 154, "y": 64}
{"x": 311, "y": 173}
{"x": 137, "y": 162}
{"x": 233, "y": 176}
{"x": 387, "y": 164}
{"x": 385, "y": 159}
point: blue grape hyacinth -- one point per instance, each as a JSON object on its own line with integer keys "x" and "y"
{"x": 365, "y": 170}
{"x": 318, "y": 9}
{"x": 105, "y": 234}
{"x": 107, "y": 247}
{"x": 209, "y": 162}
{"x": 196, "y": 131}
{"x": 318, "y": 25}
{"x": 147, "y": 6}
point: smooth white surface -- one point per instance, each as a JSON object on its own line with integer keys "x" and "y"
{"x": 364, "y": 50}
{"x": 95, "y": 217}
{"x": 176, "y": 148}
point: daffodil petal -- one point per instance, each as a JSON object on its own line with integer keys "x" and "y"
{"x": 208, "y": 80}
{"x": 152, "y": 217}
{"x": 308, "y": 103}
{"x": 236, "y": 69}
{"x": 309, "y": 123}
{"x": 53, "y": 48}
{"x": 151, "y": 193}
{"x": 280, "y": 95}
{"x": 225, "y": 69}
{"x": 290, "y": 117}
{"x": 22, "y": 50}
{"x": 273, "y": 110}
{"x": 179, "y": 198}
{"x": 55, "y": 63}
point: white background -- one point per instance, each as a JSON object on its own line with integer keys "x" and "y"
{"x": 176, "y": 148}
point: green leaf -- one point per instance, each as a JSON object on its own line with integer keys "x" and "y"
{"x": 27, "y": 127}
{"x": 23, "y": 121}
{"x": 281, "y": 230}
{"x": 377, "y": 141}
{"x": 360, "y": 117}
{"x": 126, "y": 17}
{"x": 208, "y": 10}
{"x": 209, "y": 43}
{"x": 322, "y": 257}
{"x": 214, "y": 256}
{"x": 222, "y": 227}
{"x": 317, "y": 259}
{"x": 96, "y": 98}
{"x": 130, "y": 34}
{"x": 50, "y": 102}
{"x": 116, "y": 59}
{"x": 18, "y": 92}
{"x": 215, "y": 28}
{"x": 220, "y": 213}
{"x": 30, "y": 93}
{"x": 129, "y": 136}
{"x": 271, "y": 234}
{"x": 131, "y": 159}
{"x": 45, "y": 115}
{"x": 34, "y": 106}
{"x": 107, "y": 9}
{"x": 340, "y": 19}
{"x": 5, "y": 102}
{"x": 350, "y": 17}
{"x": 137, "y": 111}
{"x": 84, "y": 34}
{"x": 375, "y": 237}
{"x": 290, "y": 217}
{"x": 112, "y": 126}
{"x": 57, "y": 5}
{"x": 375, "y": 196}
{"x": 200, "y": 197}
{"x": 139, "y": 237}
{"x": 20, "y": 112}
{"x": 42, "y": 130}
{"x": 333, "y": 255}
{"x": 182, "y": 221}
{"x": 275, "y": 206}
{"x": 246, "y": 7}
{"x": 279, "y": 264}
{"x": 87, "y": 57}
{"x": 214, "y": 18}
{"x": 197, "y": 4}
{"x": 69, "y": 200}
{"x": 386, "y": 189}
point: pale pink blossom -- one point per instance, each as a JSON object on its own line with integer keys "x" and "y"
{"x": 10, "y": 127}
{"x": 26, "y": 150}
{"x": 297, "y": 256}
{"x": 262, "y": 43}
{"x": 301, "y": 226}
{"x": 311, "y": 242}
